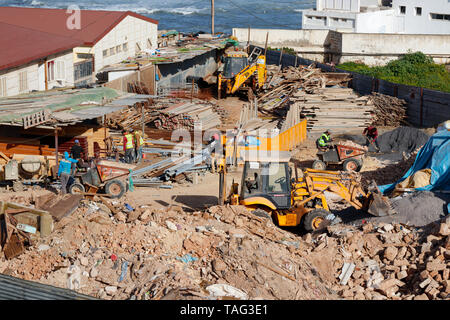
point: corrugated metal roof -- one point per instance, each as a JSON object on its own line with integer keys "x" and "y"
{"x": 67, "y": 106}
{"x": 95, "y": 24}
{"x": 22, "y": 45}
{"x": 12, "y": 288}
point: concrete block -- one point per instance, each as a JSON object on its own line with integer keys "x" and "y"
{"x": 421, "y": 297}
{"x": 402, "y": 275}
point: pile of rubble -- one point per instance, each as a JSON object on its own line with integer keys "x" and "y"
{"x": 388, "y": 111}
{"x": 117, "y": 252}
{"x": 387, "y": 261}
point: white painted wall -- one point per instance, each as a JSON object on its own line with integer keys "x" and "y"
{"x": 423, "y": 24}
{"x": 382, "y": 21}
{"x": 304, "y": 40}
{"x": 68, "y": 80}
{"x": 330, "y": 13}
{"x": 378, "y": 49}
{"x": 344, "y": 5}
{"x": 36, "y": 76}
{"x": 130, "y": 30}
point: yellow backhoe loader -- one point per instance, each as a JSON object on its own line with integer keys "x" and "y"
{"x": 242, "y": 72}
{"x": 269, "y": 190}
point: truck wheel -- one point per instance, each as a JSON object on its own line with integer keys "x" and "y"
{"x": 76, "y": 188}
{"x": 319, "y": 165}
{"x": 115, "y": 188}
{"x": 314, "y": 218}
{"x": 352, "y": 165}
{"x": 18, "y": 186}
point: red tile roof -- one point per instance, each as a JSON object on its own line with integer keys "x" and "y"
{"x": 21, "y": 45}
{"x": 94, "y": 24}
{"x": 27, "y": 34}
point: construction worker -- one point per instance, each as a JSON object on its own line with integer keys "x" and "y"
{"x": 128, "y": 146}
{"x": 139, "y": 143}
{"x": 76, "y": 152}
{"x": 65, "y": 170}
{"x": 323, "y": 143}
{"x": 371, "y": 134}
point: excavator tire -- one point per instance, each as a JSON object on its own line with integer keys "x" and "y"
{"x": 314, "y": 218}
{"x": 352, "y": 165}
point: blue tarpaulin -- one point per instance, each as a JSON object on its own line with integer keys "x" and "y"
{"x": 435, "y": 155}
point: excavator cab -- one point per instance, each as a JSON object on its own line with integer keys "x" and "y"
{"x": 266, "y": 181}
{"x": 233, "y": 64}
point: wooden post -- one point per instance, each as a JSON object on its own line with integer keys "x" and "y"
{"x": 56, "y": 148}
{"x": 45, "y": 72}
{"x": 265, "y": 46}
{"x": 248, "y": 41}
{"x": 281, "y": 55}
{"x": 212, "y": 17}
{"x": 143, "y": 122}
{"x": 192, "y": 89}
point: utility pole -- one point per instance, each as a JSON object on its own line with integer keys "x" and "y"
{"x": 212, "y": 17}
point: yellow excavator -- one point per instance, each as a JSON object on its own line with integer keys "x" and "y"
{"x": 242, "y": 72}
{"x": 269, "y": 190}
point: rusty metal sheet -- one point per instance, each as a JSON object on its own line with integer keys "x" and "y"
{"x": 63, "y": 207}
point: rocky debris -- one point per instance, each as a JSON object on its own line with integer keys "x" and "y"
{"x": 168, "y": 254}
{"x": 386, "y": 261}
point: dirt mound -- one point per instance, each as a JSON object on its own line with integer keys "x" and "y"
{"x": 420, "y": 208}
{"x": 385, "y": 261}
{"x": 402, "y": 139}
{"x": 151, "y": 254}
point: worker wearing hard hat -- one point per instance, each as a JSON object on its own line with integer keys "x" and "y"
{"x": 323, "y": 143}
{"x": 128, "y": 146}
{"x": 65, "y": 171}
{"x": 139, "y": 144}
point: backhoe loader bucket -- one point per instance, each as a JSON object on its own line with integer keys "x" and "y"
{"x": 379, "y": 205}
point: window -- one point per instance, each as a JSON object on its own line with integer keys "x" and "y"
{"x": 3, "y": 92}
{"x": 23, "y": 81}
{"x": 138, "y": 47}
{"x": 149, "y": 44}
{"x": 112, "y": 51}
{"x": 105, "y": 53}
{"x": 402, "y": 10}
{"x": 118, "y": 48}
{"x": 82, "y": 70}
{"x": 60, "y": 70}
{"x": 418, "y": 11}
{"x": 125, "y": 46}
{"x": 51, "y": 71}
{"x": 437, "y": 16}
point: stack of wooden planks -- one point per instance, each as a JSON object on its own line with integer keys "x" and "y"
{"x": 281, "y": 84}
{"x": 186, "y": 114}
{"x": 338, "y": 109}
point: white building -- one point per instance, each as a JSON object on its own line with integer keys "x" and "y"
{"x": 31, "y": 60}
{"x": 104, "y": 37}
{"x": 379, "y": 16}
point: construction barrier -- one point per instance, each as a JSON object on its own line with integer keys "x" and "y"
{"x": 282, "y": 141}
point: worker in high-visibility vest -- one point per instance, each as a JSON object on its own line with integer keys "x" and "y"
{"x": 323, "y": 142}
{"x": 139, "y": 143}
{"x": 128, "y": 146}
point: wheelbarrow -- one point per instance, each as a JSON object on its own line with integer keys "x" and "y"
{"x": 351, "y": 158}
{"x": 110, "y": 178}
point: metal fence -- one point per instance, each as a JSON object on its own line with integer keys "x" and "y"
{"x": 426, "y": 108}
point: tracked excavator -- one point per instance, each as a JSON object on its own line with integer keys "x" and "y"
{"x": 242, "y": 72}
{"x": 269, "y": 190}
